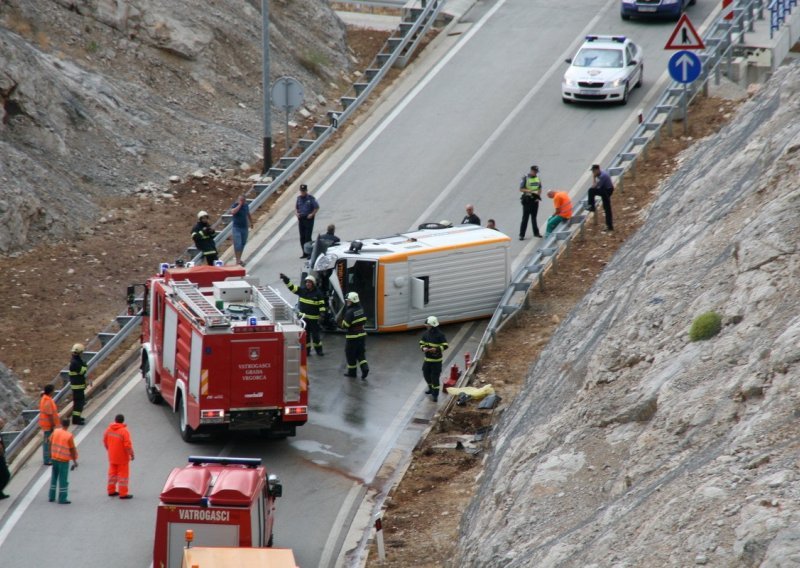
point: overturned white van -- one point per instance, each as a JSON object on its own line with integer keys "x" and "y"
{"x": 455, "y": 273}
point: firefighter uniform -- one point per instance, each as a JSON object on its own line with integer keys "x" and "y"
{"x": 62, "y": 449}
{"x": 312, "y": 308}
{"x": 48, "y": 421}
{"x": 203, "y": 237}
{"x": 77, "y": 382}
{"x": 117, "y": 441}
{"x": 355, "y": 348}
{"x": 531, "y": 188}
{"x": 432, "y": 344}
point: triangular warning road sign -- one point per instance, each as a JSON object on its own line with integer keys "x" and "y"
{"x": 684, "y": 36}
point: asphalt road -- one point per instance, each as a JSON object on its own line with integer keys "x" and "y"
{"x": 478, "y": 109}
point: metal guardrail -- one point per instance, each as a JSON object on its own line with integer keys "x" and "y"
{"x": 723, "y": 39}
{"x": 25, "y": 426}
{"x": 779, "y": 10}
{"x": 416, "y": 21}
{"x": 397, "y": 50}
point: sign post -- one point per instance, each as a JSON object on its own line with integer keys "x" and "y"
{"x": 685, "y": 66}
{"x": 287, "y": 93}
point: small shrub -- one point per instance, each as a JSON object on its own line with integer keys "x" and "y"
{"x": 314, "y": 61}
{"x": 92, "y": 47}
{"x": 705, "y": 326}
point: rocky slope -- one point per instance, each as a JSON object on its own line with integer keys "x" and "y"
{"x": 100, "y": 96}
{"x": 633, "y": 446}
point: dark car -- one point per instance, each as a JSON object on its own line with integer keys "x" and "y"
{"x": 653, "y": 8}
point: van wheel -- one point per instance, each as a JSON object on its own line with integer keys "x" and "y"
{"x": 187, "y": 433}
{"x": 152, "y": 392}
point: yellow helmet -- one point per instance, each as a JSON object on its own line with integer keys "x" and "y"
{"x": 78, "y": 348}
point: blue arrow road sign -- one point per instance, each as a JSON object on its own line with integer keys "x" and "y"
{"x": 684, "y": 66}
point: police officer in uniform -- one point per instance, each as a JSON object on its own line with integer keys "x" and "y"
{"x": 432, "y": 344}
{"x": 312, "y": 308}
{"x": 77, "y": 382}
{"x": 355, "y": 348}
{"x": 531, "y": 189}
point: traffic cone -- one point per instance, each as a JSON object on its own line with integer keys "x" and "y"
{"x": 451, "y": 381}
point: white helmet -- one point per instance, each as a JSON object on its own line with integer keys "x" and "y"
{"x": 78, "y": 348}
{"x": 202, "y": 214}
{"x": 353, "y": 297}
{"x": 432, "y": 321}
{"x": 311, "y": 279}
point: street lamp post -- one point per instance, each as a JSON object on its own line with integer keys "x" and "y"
{"x": 265, "y": 86}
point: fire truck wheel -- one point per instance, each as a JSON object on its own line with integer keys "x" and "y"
{"x": 187, "y": 433}
{"x": 152, "y": 393}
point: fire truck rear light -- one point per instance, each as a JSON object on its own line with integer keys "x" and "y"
{"x": 295, "y": 410}
{"x": 212, "y": 414}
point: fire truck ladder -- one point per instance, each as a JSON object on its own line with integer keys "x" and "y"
{"x": 202, "y": 306}
{"x": 273, "y": 305}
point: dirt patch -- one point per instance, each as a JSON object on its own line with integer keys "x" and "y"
{"x": 422, "y": 515}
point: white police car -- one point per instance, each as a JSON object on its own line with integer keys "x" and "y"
{"x": 605, "y": 69}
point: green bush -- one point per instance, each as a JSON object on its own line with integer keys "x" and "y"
{"x": 705, "y": 326}
{"x": 314, "y": 61}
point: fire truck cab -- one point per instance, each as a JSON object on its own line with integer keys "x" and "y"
{"x": 458, "y": 273}
{"x": 226, "y": 502}
{"x": 224, "y": 352}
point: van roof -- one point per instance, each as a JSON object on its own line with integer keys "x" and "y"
{"x": 425, "y": 240}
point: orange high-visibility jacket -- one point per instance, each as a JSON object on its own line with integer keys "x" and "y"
{"x": 563, "y": 204}
{"x": 117, "y": 441}
{"x": 62, "y": 446}
{"x": 48, "y": 413}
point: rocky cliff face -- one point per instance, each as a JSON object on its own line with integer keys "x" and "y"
{"x": 100, "y": 96}
{"x": 633, "y": 446}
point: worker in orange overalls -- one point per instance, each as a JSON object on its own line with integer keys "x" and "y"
{"x": 117, "y": 441}
{"x": 48, "y": 420}
{"x": 62, "y": 449}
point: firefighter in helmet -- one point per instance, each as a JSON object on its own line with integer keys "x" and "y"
{"x": 312, "y": 308}
{"x": 77, "y": 383}
{"x": 355, "y": 348}
{"x": 203, "y": 237}
{"x": 433, "y": 343}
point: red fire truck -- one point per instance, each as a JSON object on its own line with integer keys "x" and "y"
{"x": 224, "y": 352}
{"x": 223, "y": 501}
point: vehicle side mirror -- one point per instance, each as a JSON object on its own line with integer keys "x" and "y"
{"x": 568, "y": 60}
{"x": 632, "y": 62}
{"x": 277, "y": 490}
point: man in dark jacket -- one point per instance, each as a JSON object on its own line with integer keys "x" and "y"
{"x": 432, "y": 344}
{"x": 5, "y": 475}
{"x": 312, "y": 308}
{"x": 355, "y": 347}
{"x": 470, "y": 218}
{"x": 305, "y": 209}
{"x": 77, "y": 383}
{"x": 203, "y": 236}
{"x": 602, "y": 187}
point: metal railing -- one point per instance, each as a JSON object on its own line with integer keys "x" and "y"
{"x": 415, "y": 22}
{"x": 397, "y": 50}
{"x": 723, "y": 40}
{"x": 779, "y": 10}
